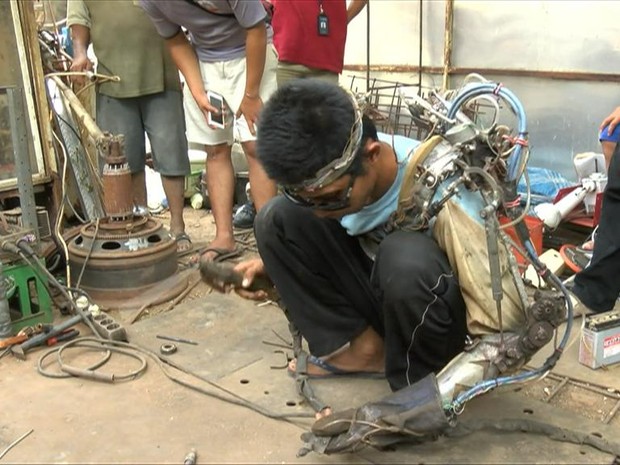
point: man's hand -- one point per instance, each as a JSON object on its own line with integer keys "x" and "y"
{"x": 253, "y": 270}
{"x": 205, "y": 106}
{"x": 611, "y": 121}
{"x": 255, "y": 55}
{"x": 247, "y": 278}
{"x": 250, "y": 107}
{"x": 80, "y": 64}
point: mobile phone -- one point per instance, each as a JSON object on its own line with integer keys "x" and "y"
{"x": 216, "y": 119}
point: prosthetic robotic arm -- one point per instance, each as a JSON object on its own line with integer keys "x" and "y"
{"x": 461, "y": 161}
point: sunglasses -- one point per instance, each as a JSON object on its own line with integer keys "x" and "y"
{"x": 338, "y": 201}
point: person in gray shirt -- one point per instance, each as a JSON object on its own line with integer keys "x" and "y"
{"x": 229, "y": 53}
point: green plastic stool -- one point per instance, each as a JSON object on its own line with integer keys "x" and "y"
{"x": 29, "y": 300}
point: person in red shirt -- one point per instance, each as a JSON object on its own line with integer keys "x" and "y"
{"x": 310, "y": 36}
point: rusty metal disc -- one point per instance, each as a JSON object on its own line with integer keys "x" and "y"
{"x": 116, "y": 264}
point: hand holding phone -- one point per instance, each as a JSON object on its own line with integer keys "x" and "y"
{"x": 216, "y": 119}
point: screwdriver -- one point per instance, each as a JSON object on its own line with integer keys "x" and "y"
{"x": 65, "y": 336}
{"x": 190, "y": 458}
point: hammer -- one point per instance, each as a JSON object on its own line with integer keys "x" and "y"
{"x": 219, "y": 275}
{"x": 20, "y": 350}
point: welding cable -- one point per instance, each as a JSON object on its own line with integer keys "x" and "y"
{"x": 234, "y": 399}
{"x": 64, "y": 197}
{"x": 526, "y": 208}
{"x": 60, "y": 94}
{"x": 98, "y": 184}
{"x": 62, "y": 374}
{"x": 98, "y": 344}
{"x": 166, "y": 365}
{"x": 56, "y": 261}
{"x": 61, "y": 210}
{"x": 5, "y": 351}
{"x": 88, "y": 255}
{"x": 527, "y": 425}
{"x": 58, "y": 235}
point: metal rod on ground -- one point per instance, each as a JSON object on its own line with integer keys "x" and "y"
{"x": 176, "y": 339}
{"x": 14, "y": 443}
{"x": 612, "y": 413}
{"x": 181, "y": 296}
{"x": 556, "y": 389}
{"x": 151, "y": 303}
{"x": 141, "y": 310}
{"x": 598, "y": 388}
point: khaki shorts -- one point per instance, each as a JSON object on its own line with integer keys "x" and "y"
{"x": 227, "y": 78}
{"x": 290, "y": 71}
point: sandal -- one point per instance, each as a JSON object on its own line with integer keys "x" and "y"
{"x": 220, "y": 254}
{"x": 574, "y": 258}
{"x": 180, "y": 239}
{"x": 332, "y": 371}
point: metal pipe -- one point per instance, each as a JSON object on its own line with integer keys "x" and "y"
{"x": 559, "y": 75}
{"x": 21, "y": 156}
{"x": 447, "y": 45}
{"x": 6, "y": 329}
{"x": 368, "y": 46}
{"x": 421, "y": 36}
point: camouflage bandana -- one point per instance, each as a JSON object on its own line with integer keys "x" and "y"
{"x": 336, "y": 168}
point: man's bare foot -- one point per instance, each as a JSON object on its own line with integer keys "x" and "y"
{"x": 327, "y": 411}
{"x": 184, "y": 242}
{"x": 316, "y": 368}
{"x": 588, "y": 245}
{"x": 364, "y": 355}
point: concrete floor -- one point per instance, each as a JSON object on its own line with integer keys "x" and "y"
{"x": 152, "y": 419}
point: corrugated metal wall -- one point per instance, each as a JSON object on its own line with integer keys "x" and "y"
{"x": 561, "y": 58}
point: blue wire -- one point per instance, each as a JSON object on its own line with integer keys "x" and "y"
{"x": 475, "y": 90}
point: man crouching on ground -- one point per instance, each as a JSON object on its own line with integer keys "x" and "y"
{"x": 367, "y": 301}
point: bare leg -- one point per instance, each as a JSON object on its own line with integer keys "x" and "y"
{"x": 174, "y": 187}
{"x": 221, "y": 188}
{"x": 263, "y": 188}
{"x": 138, "y": 188}
{"x": 608, "y": 150}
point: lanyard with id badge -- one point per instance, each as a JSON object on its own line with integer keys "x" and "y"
{"x": 322, "y": 21}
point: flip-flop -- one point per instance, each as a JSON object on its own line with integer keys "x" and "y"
{"x": 220, "y": 254}
{"x": 332, "y": 371}
{"x": 574, "y": 258}
{"x": 183, "y": 237}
